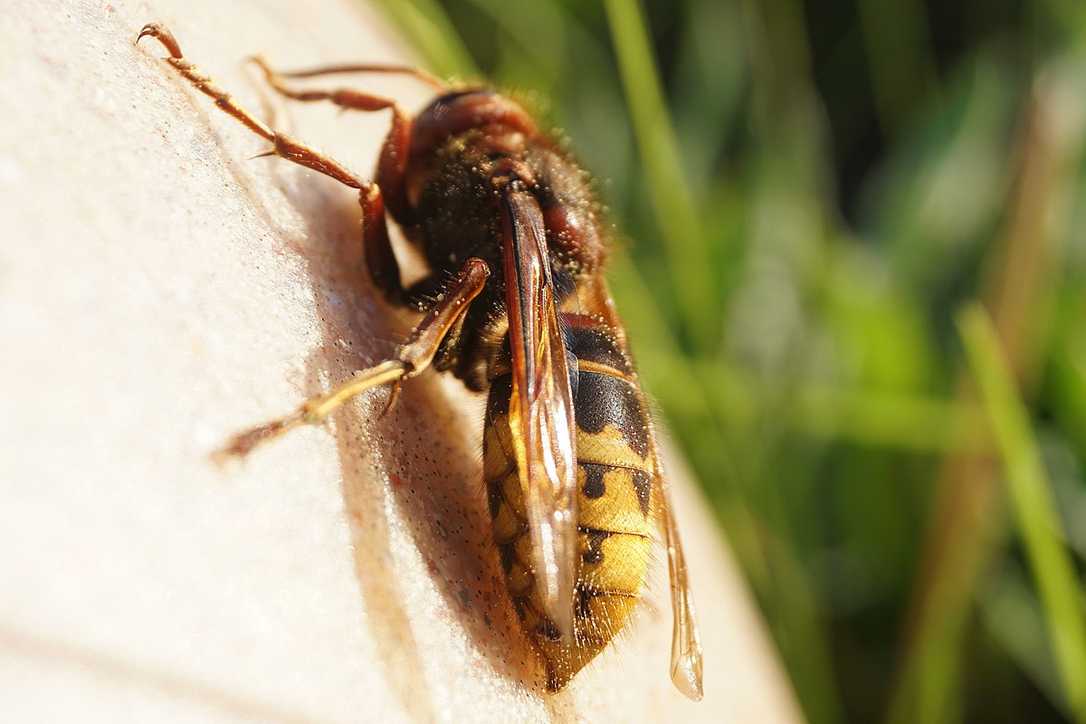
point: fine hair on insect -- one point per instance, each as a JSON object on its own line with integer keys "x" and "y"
{"x": 514, "y": 304}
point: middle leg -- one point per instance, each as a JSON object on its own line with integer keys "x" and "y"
{"x": 410, "y": 359}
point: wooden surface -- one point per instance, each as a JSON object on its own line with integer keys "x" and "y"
{"x": 158, "y": 291}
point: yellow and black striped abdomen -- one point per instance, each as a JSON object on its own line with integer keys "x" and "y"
{"x": 615, "y": 478}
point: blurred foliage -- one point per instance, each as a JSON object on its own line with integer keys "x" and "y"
{"x": 806, "y": 193}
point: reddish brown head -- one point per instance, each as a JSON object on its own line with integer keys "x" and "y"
{"x": 461, "y": 151}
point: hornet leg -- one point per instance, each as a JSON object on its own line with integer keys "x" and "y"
{"x": 394, "y": 152}
{"x": 378, "y": 250}
{"x": 409, "y": 360}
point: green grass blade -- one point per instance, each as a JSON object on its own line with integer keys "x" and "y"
{"x": 432, "y": 34}
{"x": 1031, "y": 501}
{"x": 673, "y": 203}
{"x": 902, "y": 63}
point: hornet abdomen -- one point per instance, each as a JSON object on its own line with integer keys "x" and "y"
{"x": 615, "y": 479}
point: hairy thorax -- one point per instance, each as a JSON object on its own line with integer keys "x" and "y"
{"x": 456, "y": 196}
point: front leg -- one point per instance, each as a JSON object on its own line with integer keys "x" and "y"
{"x": 396, "y": 149}
{"x": 380, "y": 259}
{"x": 378, "y": 250}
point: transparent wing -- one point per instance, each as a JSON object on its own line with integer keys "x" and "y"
{"x": 686, "y": 656}
{"x": 686, "y": 659}
{"x": 541, "y": 413}
{"x": 594, "y": 297}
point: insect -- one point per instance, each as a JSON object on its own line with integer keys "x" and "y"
{"x": 515, "y": 304}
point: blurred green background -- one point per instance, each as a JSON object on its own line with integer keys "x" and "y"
{"x": 807, "y": 196}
